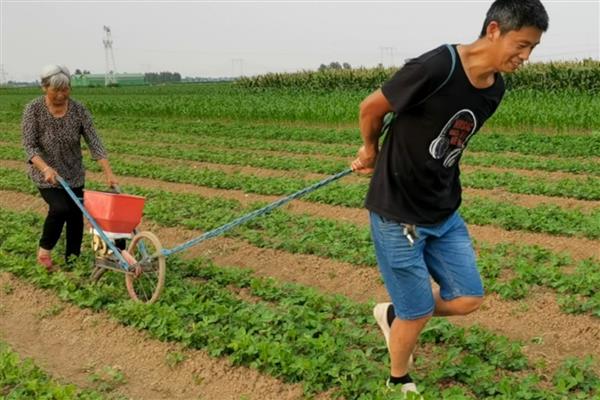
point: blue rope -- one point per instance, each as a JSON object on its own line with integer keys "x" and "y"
{"x": 218, "y": 231}
{"x": 210, "y": 234}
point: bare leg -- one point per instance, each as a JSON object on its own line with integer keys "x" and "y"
{"x": 404, "y": 333}
{"x": 458, "y": 306}
{"x": 403, "y": 338}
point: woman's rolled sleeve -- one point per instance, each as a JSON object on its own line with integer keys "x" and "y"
{"x": 91, "y": 137}
{"x": 29, "y": 133}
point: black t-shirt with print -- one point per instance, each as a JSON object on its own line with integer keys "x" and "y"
{"x": 416, "y": 178}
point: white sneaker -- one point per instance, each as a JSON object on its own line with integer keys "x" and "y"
{"x": 380, "y": 313}
{"x": 405, "y": 390}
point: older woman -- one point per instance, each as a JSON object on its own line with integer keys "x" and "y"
{"x": 52, "y": 127}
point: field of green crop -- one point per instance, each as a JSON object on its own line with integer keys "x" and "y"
{"x": 288, "y": 296}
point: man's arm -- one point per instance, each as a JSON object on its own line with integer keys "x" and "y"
{"x": 372, "y": 110}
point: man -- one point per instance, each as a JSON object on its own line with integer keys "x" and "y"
{"x": 440, "y": 100}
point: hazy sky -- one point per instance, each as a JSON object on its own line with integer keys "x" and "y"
{"x": 197, "y": 38}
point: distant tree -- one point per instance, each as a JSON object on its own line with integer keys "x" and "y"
{"x": 78, "y": 72}
{"x": 162, "y": 77}
{"x": 151, "y": 77}
{"x": 335, "y": 65}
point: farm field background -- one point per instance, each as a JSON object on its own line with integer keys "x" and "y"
{"x": 280, "y": 308}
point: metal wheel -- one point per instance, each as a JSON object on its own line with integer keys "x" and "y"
{"x": 146, "y": 282}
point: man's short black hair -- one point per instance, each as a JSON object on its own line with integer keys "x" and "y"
{"x": 512, "y": 15}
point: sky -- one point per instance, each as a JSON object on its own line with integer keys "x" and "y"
{"x": 227, "y": 38}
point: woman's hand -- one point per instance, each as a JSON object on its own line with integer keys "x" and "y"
{"x": 50, "y": 175}
{"x": 111, "y": 179}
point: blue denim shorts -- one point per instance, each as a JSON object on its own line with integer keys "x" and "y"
{"x": 443, "y": 251}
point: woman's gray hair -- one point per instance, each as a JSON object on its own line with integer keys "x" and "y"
{"x": 57, "y": 76}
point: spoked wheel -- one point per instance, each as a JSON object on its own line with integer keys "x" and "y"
{"x": 146, "y": 283}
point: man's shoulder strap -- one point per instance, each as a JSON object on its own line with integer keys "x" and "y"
{"x": 389, "y": 118}
{"x": 452, "y": 68}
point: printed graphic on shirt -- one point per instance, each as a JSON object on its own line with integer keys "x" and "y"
{"x": 453, "y": 138}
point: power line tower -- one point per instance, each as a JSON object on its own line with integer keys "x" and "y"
{"x": 387, "y": 52}
{"x": 109, "y": 56}
{"x": 239, "y": 62}
{"x": 3, "y": 75}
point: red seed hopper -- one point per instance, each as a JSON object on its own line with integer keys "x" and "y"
{"x": 116, "y": 213}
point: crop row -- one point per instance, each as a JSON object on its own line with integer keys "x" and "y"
{"x": 577, "y": 150}
{"x": 477, "y": 210}
{"x": 585, "y": 188}
{"x": 543, "y": 77}
{"x": 118, "y": 140}
{"x": 492, "y": 140}
{"x": 347, "y": 242}
{"x": 556, "y": 110}
{"x": 322, "y": 80}
{"x": 300, "y": 337}
{"x": 228, "y": 133}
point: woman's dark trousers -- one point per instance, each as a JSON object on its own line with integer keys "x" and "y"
{"x": 62, "y": 210}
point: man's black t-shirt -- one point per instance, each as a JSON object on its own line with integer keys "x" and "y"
{"x": 416, "y": 178}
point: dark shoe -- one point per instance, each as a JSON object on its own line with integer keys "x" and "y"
{"x": 408, "y": 390}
